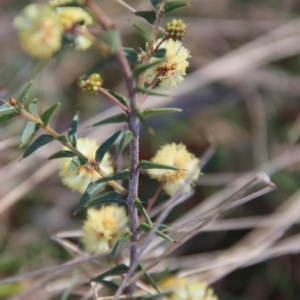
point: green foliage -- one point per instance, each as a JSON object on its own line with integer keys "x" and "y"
{"x": 144, "y": 30}
{"x": 72, "y": 132}
{"x": 141, "y": 68}
{"x": 148, "y": 277}
{"x": 93, "y": 189}
{"x": 155, "y": 2}
{"x": 149, "y": 15}
{"x": 147, "y": 228}
{"x": 146, "y": 165}
{"x": 122, "y": 99}
{"x": 119, "y": 118}
{"x": 105, "y": 146}
{"x": 118, "y": 270}
{"x": 123, "y": 239}
{"x": 47, "y": 114}
{"x": 107, "y": 198}
{"x": 126, "y": 139}
{"x": 28, "y": 133}
{"x": 61, "y": 154}
{"x": 160, "y": 53}
{"x": 172, "y": 5}
{"x": 150, "y": 92}
{"x": 23, "y": 95}
{"x": 33, "y": 106}
{"x": 140, "y": 207}
{"x": 75, "y": 163}
{"x": 39, "y": 142}
{"x": 143, "y": 120}
{"x": 131, "y": 55}
{"x": 151, "y": 112}
{"x": 7, "y": 112}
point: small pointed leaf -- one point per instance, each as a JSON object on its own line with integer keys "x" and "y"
{"x": 91, "y": 190}
{"x": 145, "y": 227}
{"x": 146, "y": 165}
{"x": 109, "y": 284}
{"x": 150, "y": 92}
{"x": 143, "y": 120}
{"x": 123, "y": 239}
{"x": 39, "y": 142}
{"x": 75, "y": 163}
{"x": 131, "y": 55}
{"x": 154, "y": 296}
{"x": 72, "y": 133}
{"x": 112, "y": 39}
{"x": 172, "y": 5}
{"x": 105, "y": 146}
{"x": 118, "y": 270}
{"x": 148, "y": 277}
{"x": 7, "y": 112}
{"x": 22, "y": 97}
{"x": 122, "y": 99}
{"x": 149, "y": 15}
{"x": 140, "y": 207}
{"x": 144, "y": 30}
{"x": 47, "y": 114}
{"x": 160, "y": 53}
{"x": 32, "y": 107}
{"x": 141, "y": 68}
{"x": 62, "y": 154}
{"x": 155, "y": 2}
{"x": 63, "y": 139}
{"x": 126, "y": 139}
{"x": 151, "y": 112}
{"x": 119, "y": 118}
{"x": 110, "y": 197}
{"x": 122, "y": 175}
{"x": 28, "y": 133}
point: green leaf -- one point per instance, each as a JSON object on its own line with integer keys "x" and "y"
{"x": 148, "y": 277}
{"x": 32, "y": 107}
{"x": 110, "y": 197}
{"x": 150, "y": 92}
{"x": 122, "y": 175}
{"x": 126, "y": 139}
{"x": 109, "y": 284}
{"x": 144, "y": 30}
{"x": 75, "y": 163}
{"x": 39, "y": 142}
{"x": 151, "y": 112}
{"x": 155, "y": 2}
{"x": 172, "y": 5}
{"x": 145, "y": 227}
{"x": 100, "y": 65}
{"x": 63, "y": 139}
{"x": 146, "y": 165}
{"x": 47, "y": 114}
{"x": 123, "y": 239}
{"x": 148, "y": 15}
{"x": 72, "y": 133}
{"x": 160, "y": 53}
{"x": 141, "y": 68}
{"x": 91, "y": 190}
{"x": 122, "y": 99}
{"x": 61, "y": 154}
{"x": 22, "y": 97}
{"x": 28, "y": 133}
{"x": 143, "y": 120}
{"x": 105, "y": 146}
{"x": 119, "y": 118}
{"x": 131, "y": 55}
{"x": 7, "y": 112}
{"x": 140, "y": 207}
{"x": 112, "y": 39}
{"x": 118, "y": 270}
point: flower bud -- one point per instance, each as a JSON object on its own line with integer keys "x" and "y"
{"x": 176, "y": 29}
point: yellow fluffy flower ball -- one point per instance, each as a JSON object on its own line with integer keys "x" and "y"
{"x": 170, "y": 72}
{"x": 178, "y": 156}
{"x": 72, "y": 16}
{"x": 40, "y": 30}
{"x": 103, "y": 227}
{"x": 80, "y": 178}
{"x": 183, "y": 289}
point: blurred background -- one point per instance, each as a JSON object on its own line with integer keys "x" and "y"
{"x": 242, "y": 90}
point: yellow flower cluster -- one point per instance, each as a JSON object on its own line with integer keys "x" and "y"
{"x": 80, "y": 178}
{"x": 176, "y": 29}
{"x": 41, "y": 28}
{"x": 178, "y": 156}
{"x": 103, "y": 227}
{"x": 183, "y": 289}
{"x": 171, "y": 71}
{"x": 90, "y": 85}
